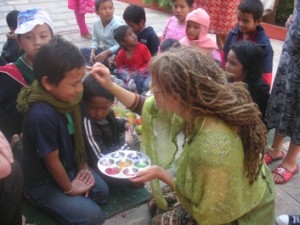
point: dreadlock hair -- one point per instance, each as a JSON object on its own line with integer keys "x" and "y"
{"x": 202, "y": 87}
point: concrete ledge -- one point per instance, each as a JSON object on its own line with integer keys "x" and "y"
{"x": 274, "y": 32}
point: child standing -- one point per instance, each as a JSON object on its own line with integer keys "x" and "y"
{"x": 175, "y": 27}
{"x": 81, "y": 7}
{"x": 197, "y": 23}
{"x": 11, "y": 50}
{"x": 135, "y": 17}
{"x": 249, "y": 16}
{"x": 35, "y": 29}
{"x": 222, "y": 17}
{"x": 132, "y": 60}
{"x": 102, "y": 128}
{"x": 103, "y": 33}
{"x": 56, "y": 175}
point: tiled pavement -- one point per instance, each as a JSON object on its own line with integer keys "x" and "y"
{"x": 288, "y": 195}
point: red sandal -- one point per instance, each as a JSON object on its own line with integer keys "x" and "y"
{"x": 284, "y": 173}
{"x": 269, "y": 159}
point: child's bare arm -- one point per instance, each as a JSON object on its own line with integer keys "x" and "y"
{"x": 59, "y": 174}
{"x": 103, "y": 55}
{"x": 93, "y": 56}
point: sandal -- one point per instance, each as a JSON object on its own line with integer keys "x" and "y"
{"x": 269, "y": 159}
{"x": 284, "y": 173}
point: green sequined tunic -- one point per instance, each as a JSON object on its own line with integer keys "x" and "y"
{"x": 210, "y": 181}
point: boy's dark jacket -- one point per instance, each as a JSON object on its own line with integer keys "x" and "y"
{"x": 148, "y": 37}
{"x": 262, "y": 40}
{"x": 103, "y": 136}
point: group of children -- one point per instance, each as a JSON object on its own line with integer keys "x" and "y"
{"x": 188, "y": 27}
{"x": 51, "y": 71}
{"x": 55, "y": 161}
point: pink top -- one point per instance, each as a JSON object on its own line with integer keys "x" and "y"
{"x": 201, "y": 17}
{"x": 173, "y": 29}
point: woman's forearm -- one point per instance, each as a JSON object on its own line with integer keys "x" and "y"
{"x": 126, "y": 97}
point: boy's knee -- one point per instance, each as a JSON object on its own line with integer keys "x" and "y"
{"x": 101, "y": 197}
{"x": 100, "y": 193}
{"x": 93, "y": 215}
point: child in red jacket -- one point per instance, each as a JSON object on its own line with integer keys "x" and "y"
{"x": 132, "y": 60}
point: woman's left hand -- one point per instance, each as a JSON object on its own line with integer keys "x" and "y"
{"x": 151, "y": 173}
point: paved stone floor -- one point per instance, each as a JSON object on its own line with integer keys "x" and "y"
{"x": 288, "y": 195}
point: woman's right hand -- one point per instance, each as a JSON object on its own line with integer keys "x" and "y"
{"x": 102, "y": 75}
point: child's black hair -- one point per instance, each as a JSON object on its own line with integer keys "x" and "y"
{"x": 12, "y": 19}
{"x": 55, "y": 59}
{"x": 254, "y": 7}
{"x": 120, "y": 32}
{"x": 135, "y": 14}
{"x": 99, "y": 2}
{"x": 188, "y": 2}
{"x": 169, "y": 43}
{"x": 92, "y": 88}
{"x": 251, "y": 56}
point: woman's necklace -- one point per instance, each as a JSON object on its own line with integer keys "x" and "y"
{"x": 189, "y": 133}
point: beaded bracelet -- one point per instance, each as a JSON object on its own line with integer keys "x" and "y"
{"x": 68, "y": 192}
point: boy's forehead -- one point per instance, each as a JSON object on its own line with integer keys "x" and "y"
{"x": 101, "y": 3}
{"x": 180, "y": 2}
{"x": 245, "y": 15}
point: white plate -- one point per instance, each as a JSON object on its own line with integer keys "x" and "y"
{"x": 123, "y": 164}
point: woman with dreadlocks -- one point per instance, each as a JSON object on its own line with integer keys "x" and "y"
{"x": 220, "y": 176}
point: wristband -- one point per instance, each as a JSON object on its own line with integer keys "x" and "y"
{"x": 68, "y": 192}
{"x": 135, "y": 102}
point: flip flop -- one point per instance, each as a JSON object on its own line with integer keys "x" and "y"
{"x": 284, "y": 173}
{"x": 269, "y": 159}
